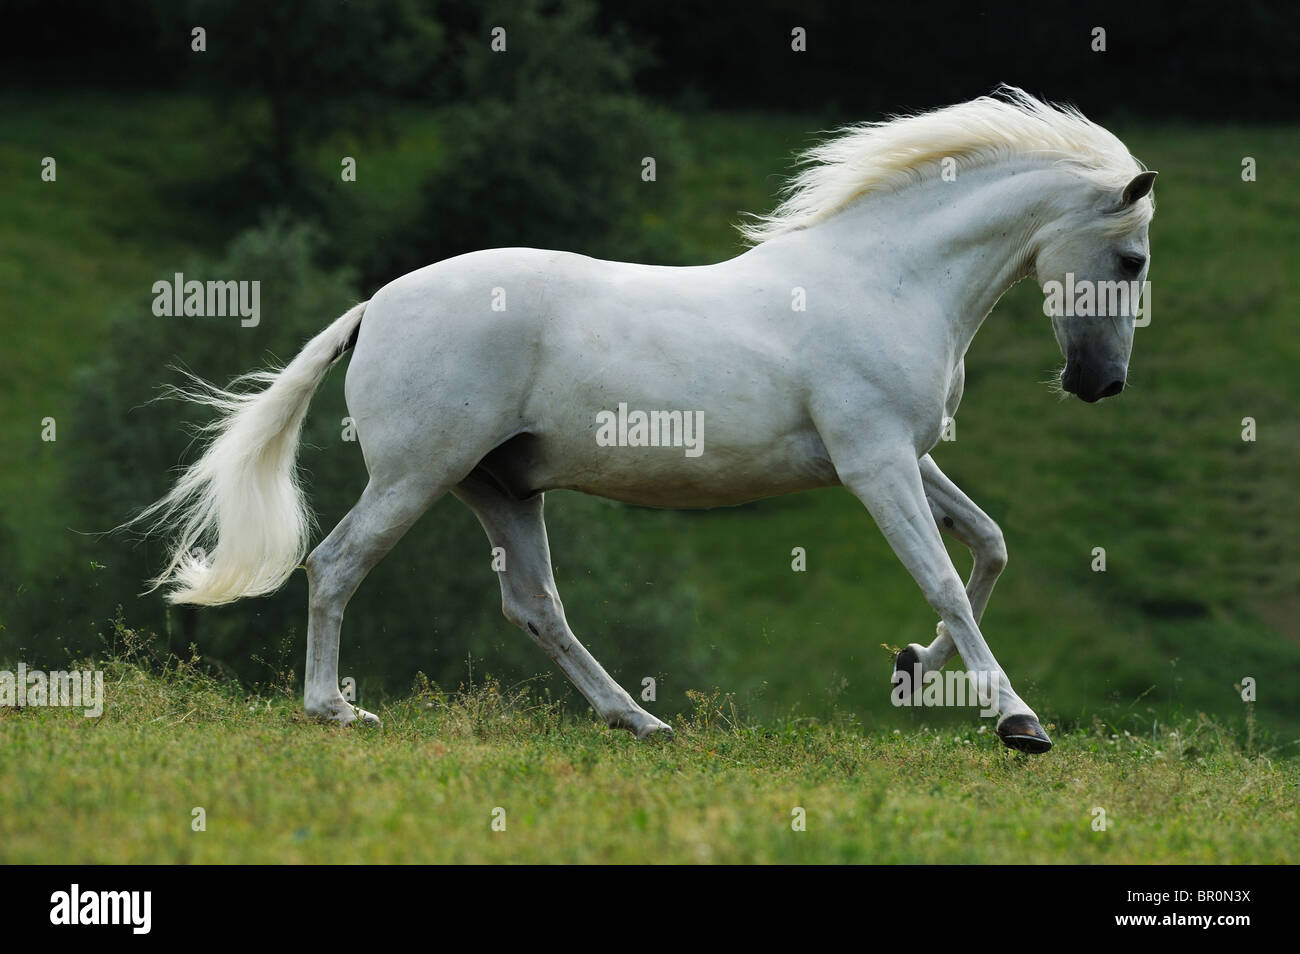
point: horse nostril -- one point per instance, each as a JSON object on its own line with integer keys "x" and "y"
{"x": 1112, "y": 389}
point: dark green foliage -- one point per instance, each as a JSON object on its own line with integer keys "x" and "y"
{"x": 312, "y": 69}
{"x": 547, "y": 150}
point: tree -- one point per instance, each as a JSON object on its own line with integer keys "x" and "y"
{"x": 546, "y": 147}
{"x": 291, "y": 74}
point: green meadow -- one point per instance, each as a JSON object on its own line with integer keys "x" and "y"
{"x": 1138, "y": 669}
{"x": 185, "y": 769}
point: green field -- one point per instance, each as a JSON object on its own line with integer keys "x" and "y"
{"x": 427, "y": 786}
{"x": 1200, "y": 590}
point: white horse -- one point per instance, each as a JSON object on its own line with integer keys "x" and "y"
{"x": 489, "y": 376}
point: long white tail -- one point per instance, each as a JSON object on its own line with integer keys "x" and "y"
{"x": 238, "y": 519}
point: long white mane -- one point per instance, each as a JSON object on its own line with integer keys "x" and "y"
{"x": 873, "y": 157}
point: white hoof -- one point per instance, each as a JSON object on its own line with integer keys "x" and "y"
{"x": 341, "y": 711}
{"x": 656, "y": 728}
{"x": 641, "y": 724}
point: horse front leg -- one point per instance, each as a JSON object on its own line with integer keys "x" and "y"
{"x": 892, "y": 489}
{"x": 958, "y": 515}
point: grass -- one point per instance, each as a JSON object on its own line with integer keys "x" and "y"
{"x": 426, "y": 786}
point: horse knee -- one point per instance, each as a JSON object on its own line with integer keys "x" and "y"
{"x": 993, "y": 549}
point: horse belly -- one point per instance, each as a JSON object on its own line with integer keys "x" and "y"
{"x": 664, "y": 476}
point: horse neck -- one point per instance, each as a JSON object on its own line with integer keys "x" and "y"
{"x": 965, "y": 241}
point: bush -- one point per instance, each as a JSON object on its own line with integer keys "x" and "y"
{"x": 546, "y": 149}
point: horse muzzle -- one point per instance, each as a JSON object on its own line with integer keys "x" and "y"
{"x": 1091, "y": 381}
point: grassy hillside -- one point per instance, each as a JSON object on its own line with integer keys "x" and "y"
{"x": 1198, "y": 527}
{"x": 427, "y": 786}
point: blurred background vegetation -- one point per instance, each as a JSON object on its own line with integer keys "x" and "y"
{"x": 226, "y": 164}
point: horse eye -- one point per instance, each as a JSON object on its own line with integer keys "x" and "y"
{"x": 1132, "y": 263}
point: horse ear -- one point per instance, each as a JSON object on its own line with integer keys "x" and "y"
{"x": 1140, "y": 186}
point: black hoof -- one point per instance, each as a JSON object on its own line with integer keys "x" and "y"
{"x": 906, "y": 661}
{"x": 1024, "y": 734}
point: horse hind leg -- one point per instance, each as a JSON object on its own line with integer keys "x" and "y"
{"x": 336, "y": 568}
{"x": 530, "y": 601}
